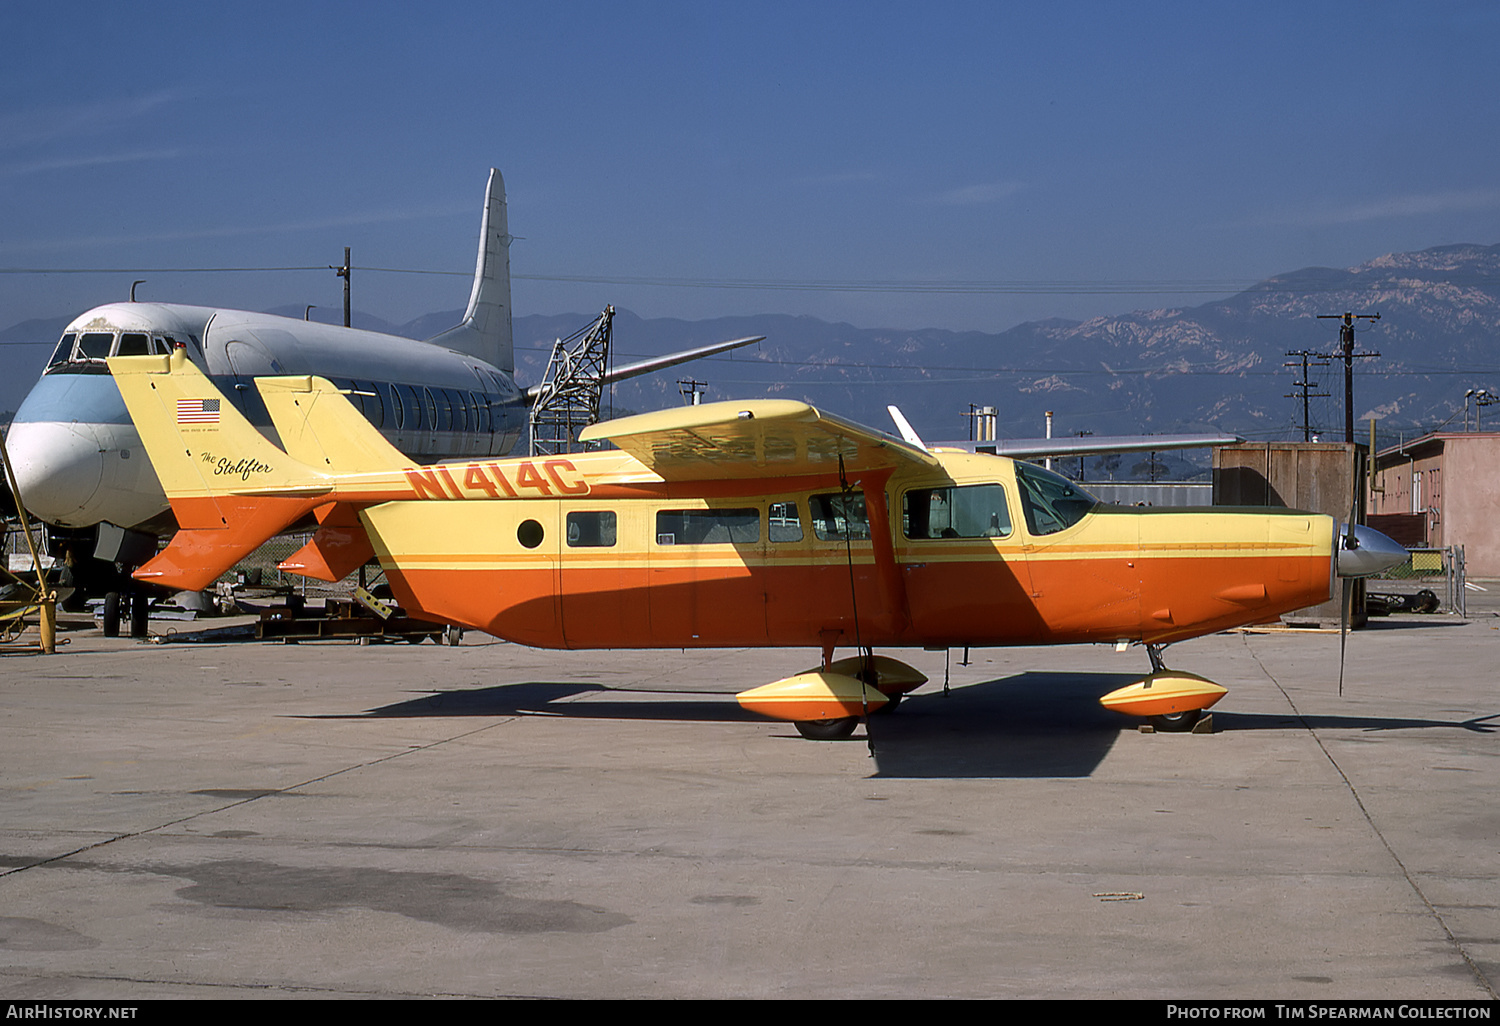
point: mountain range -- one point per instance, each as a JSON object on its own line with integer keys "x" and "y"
{"x": 1216, "y": 366}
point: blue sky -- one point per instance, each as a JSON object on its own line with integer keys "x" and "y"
{"x": 1074, "y": 153}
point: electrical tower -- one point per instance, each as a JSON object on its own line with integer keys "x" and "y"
{"x": 568, "y": 397}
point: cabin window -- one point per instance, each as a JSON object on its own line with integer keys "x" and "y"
{"x": 972, "y": 511}
{"x": 530, "y": 534}
{"x": 409, "y": 408}
{"x": 94, "y": 345}
{"x": 458, "y": 414}
{"x": 1050, "y": 501}
{"x": 783, "y": 524}
{"x": 707, "y": 526}
{"x": 430, "y": 405}
{"x": 63, "y": 351}
{"x": 134, "y": 343}
{"x": 591, "y": 530}
{"x": 398, "y": 413}
{"x": 482, "y": 414}
{"x": 835, "y": 514}
{"x": 366, "y": 399}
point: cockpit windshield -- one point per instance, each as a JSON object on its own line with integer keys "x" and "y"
{"x": 1050, "y": 501}
{"x": 85, "y": 352}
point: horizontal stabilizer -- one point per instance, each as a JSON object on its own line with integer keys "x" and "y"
{"x": 320, "y": 427}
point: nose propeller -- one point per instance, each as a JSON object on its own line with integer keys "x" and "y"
{"x": 1359, "y": 551}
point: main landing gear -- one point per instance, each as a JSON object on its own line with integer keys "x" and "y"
{"x": 826, "y": 704}
{"x": 1171, "y": 700}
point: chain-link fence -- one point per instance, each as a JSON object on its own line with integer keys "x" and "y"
{"x": 1439, "y": 570}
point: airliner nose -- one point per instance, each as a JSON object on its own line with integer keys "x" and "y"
{"x": 1367, "y": 552}
{"x": 58, "y": 468}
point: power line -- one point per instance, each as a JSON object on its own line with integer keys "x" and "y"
{"x": 1163, "y": 286}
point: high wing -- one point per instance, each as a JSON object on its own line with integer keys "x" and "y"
{"x": 1026, "y": 448}
{"x": 758, "y": 437}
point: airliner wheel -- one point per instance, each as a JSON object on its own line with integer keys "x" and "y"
{"x": 1177, "y": 723}
{"x": 827, "y": 730}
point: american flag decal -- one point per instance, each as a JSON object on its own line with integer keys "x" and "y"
{"x": 198, "y": 411}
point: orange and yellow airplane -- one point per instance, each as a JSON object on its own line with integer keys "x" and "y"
{"x": 738, "y": 524}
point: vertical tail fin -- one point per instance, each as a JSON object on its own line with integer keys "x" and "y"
{"x": 230, "y": 488}
{"x": 485, "y": 331}
{"x": 318, "y": 426}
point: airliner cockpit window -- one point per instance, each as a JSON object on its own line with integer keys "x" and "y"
{"x": 94, "y": 345}
{"x": 63, "y": 351}
{"x": 134, "y": 344}
{"x": 1051, "y": 502}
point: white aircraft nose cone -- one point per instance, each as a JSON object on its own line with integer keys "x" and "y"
{"x": 1368, "y": 552}
{"x": 58, "y": 469}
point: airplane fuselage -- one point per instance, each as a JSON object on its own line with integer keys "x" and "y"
{"x": 595, "y": 551}
{"x": 79, "y": 459}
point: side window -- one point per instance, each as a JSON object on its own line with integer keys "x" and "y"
{"x": 398, "y": 409}
{"x": 707, "y": 526}
{"x": 783, "y": 524}
{"x": 591, "y": 530}
{"x": 972, "y": 511}
{"x": 458, "y": 413}
{"x": 368, "y": 399}
{"x": 1051, "y": 502}
{"x": 410, "y": 416}
{"x": 833, "y": 515}
{"x": 63, "y": 351}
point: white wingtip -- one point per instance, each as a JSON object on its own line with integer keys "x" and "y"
{"x": 907, "y": 431}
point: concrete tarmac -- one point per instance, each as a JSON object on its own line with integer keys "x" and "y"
{"x": 341, "y": 820}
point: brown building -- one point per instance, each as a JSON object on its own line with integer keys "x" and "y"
{"x": 1443, "y": 489}
{"x": 1319, "y": 477}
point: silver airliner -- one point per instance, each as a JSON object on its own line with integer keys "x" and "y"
{"x": 78, "y": 459}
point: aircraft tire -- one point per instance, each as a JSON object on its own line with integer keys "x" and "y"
{"x": 827, "y": 730}
{"x": 140, "y": 604}
{"x": 891, "y": 703}
{"x": 111, "y": 614}
{"x": 1177, "y": 723}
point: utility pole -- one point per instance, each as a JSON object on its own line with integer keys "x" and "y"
{"x": 343, "y": 272}
{"x": 1305, "y": 384}
{"x": 1081, "y": 434}
{"x": 692, "y": 391}
{"x": 1347, "y": 354}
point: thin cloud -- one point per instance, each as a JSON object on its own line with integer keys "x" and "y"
{"x": 230, "y": 231}
{"x": 975, "y": 195}
{"x": 44, "y": 124}
{"x": 1417, "y": 205}
{"x": 94, "y": 160}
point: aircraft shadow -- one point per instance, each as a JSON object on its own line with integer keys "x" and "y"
{"x": 1032, "y": 724}
{"x": 542, "y": 698}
